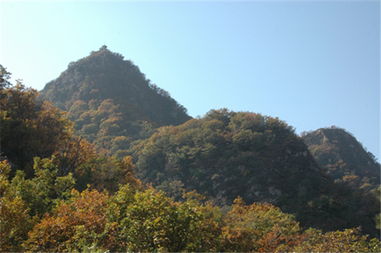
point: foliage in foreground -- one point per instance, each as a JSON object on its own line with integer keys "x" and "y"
{"x": 144, "y": 219}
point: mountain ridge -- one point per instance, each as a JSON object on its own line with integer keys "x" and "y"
{"x": 227, "y": 154}
{"x": 343, "y": 157}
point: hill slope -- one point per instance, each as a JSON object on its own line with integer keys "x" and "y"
{"x": 343, "y": 157}
{"x": 111, "y": 101}
{"x": 259, "y": 158}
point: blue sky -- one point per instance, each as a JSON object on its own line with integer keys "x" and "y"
{"x": 312, "y": 64}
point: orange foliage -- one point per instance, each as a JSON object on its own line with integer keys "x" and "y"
{"x": 73, "y": 224}
{"x": 257, "y": 227}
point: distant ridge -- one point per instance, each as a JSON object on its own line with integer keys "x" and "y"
{"x": 343, "y": 157}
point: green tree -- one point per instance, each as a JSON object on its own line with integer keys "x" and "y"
{"x": 150, "y": 221}
{"x": 4, "y": 77}
{"x": 42, "y": 192}
{"x": 15, "y": 221}
{"x": 348, "y": 240}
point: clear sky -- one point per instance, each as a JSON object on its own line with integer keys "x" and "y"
{"x": 312, "y": 64}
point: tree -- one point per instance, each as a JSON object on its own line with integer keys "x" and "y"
{"x": 149, "y": 221}
{"x": 4, "y": 77}
{"x": 348, "y": 240}
{"x": 29, "y": 127}
{"x": 73, "y": 225}
{"x": 257, "y": 227}
{"x": 15, "y": 221}
{"x": 42, "y": 192}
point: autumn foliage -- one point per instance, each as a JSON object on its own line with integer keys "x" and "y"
{"x": 77, "y": 222}
{"x": 58, "y": 193}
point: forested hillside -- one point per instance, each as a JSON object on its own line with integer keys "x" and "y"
{"x": 111, "y": 102}
{"x": 346, "y": 161}
{"x": 227, "y": 154}
{"x": 223, "y": 155}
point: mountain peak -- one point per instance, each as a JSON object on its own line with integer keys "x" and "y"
{"x": 107, "y": 96}
{"x": 104, "y": 47}
{"x": 103, "y": 50}
{"x": 103, "y": 57}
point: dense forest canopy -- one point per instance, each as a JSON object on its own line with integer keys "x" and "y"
{"x": 227, "y": 154}
{"x": 120, "y": 166}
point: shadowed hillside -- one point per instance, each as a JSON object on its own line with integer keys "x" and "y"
{"x": 227, "y": 154}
